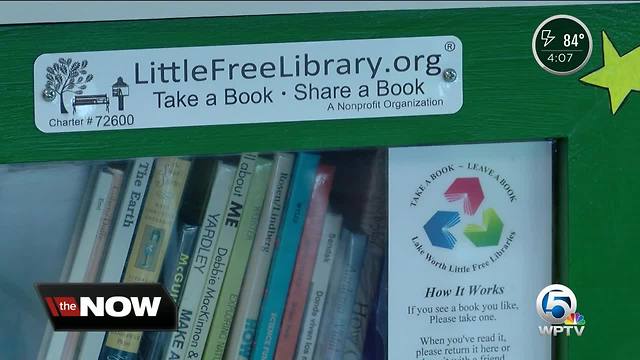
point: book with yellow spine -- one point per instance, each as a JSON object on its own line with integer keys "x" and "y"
{"x": 217, "y": 269}
{"x": 150, "y": 243}
{"x": 248, "y": 309}
{"x": 240, "y": 253}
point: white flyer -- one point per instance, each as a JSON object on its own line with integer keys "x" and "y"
{"x": 470, "y": 247}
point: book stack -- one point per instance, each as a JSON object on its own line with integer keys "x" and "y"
{"x": 267, "y": 256}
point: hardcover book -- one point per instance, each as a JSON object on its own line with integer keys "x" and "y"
{"x": 305, "y": 260}
{"x": 92, "y": 237}
{"x": 97, "y": 255}
{"x": 149, "y": 246}
{"x": 363, "y": 307}
{"x": 317, "y": 297}
{"x": 75, "y": 339}
{"x": 123, "y": 231}
{"x": 373, "y": 223}
{"x": 245, "y": 236}
{"x": 180, "y": 250}
{"x": 377, "y": 332}
{"x": 341, "y": 295}
{"x": 246, "y": 318}
{"x": 273, "y": 304}
{"x": 173, "y": 275}
{"x": 127, "y": 219}
{"x": 93, "y": 225}
{"x": 202, "y": 258}
{"x": 220, "y": 258}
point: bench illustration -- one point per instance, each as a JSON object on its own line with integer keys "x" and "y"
{"x": 83, "y": 100}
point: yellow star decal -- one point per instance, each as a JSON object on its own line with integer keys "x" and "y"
{"x": 619, "y": 74}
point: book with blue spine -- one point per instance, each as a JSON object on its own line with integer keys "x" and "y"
{"x": 181, "y": 248}
{"x": 373, "y": 221}
{"x": 305, "y": 261}
{"x": 281, "y": 271}
{"x": 376, "y": 344}
{"x": 202, "y": 259}
{"x": 174, "y": 273}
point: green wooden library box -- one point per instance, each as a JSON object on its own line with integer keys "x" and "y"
{"x": 450, "y": 184}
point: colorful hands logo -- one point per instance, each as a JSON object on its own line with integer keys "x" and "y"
{"x": 470, "y": 191}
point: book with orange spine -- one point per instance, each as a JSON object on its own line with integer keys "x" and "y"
{"x": 305, "y": 261}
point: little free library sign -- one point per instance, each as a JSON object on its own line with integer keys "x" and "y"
{"x": 239, "y": 84}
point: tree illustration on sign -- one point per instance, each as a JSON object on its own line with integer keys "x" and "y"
{"x": 67, "y": 76}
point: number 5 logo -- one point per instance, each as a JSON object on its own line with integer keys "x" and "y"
{"x": 555, "y": 303}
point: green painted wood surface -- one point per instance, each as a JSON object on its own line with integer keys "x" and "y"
{"x": 506, "y": 97}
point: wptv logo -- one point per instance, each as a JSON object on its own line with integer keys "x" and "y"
{"x": 556, "y": 304}
{"x": 108, "y": 306}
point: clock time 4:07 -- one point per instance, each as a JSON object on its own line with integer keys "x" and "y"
{"x": 560, "y": 57}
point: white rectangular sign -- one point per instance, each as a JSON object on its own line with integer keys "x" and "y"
{"x": 241, "y": 84}
{"x": 470, "y": 239}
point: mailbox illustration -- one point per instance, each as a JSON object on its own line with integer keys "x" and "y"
{"x": 120, "y": 89}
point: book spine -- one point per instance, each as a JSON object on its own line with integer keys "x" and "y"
{"x": 153, "y": 343}
{"x": 373, "y": 223}
{"x": 201, "y": 260}
{"x": 106, "y": 224}
{"x": 87, "y": 239}
{"x": 285, "y": 256}
{"x": 91, "y": 230}
{"x": 339, "y": 265}
{"x": 379, "y": 339}
{"x": 116, "y": 254}
{"x": 336, "y": 325}
{"x": 188, "y": 235}
{"x": 127, "y": 220}
{"x": 229, "y": 292}
{"x": 151, "y": 240}
{"x": 75, "y": 339}
{"x": 305, "y": 261}
{"x": 365, "y": 297}
{"x": 319, "y": 285}
{"x": 246, "y": 318}
{"x": 230, "y": 221}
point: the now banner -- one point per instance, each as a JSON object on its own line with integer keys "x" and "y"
{"x": 108, "y": 306}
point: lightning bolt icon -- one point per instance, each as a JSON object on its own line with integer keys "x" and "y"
{"x": 547, "y": 37}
